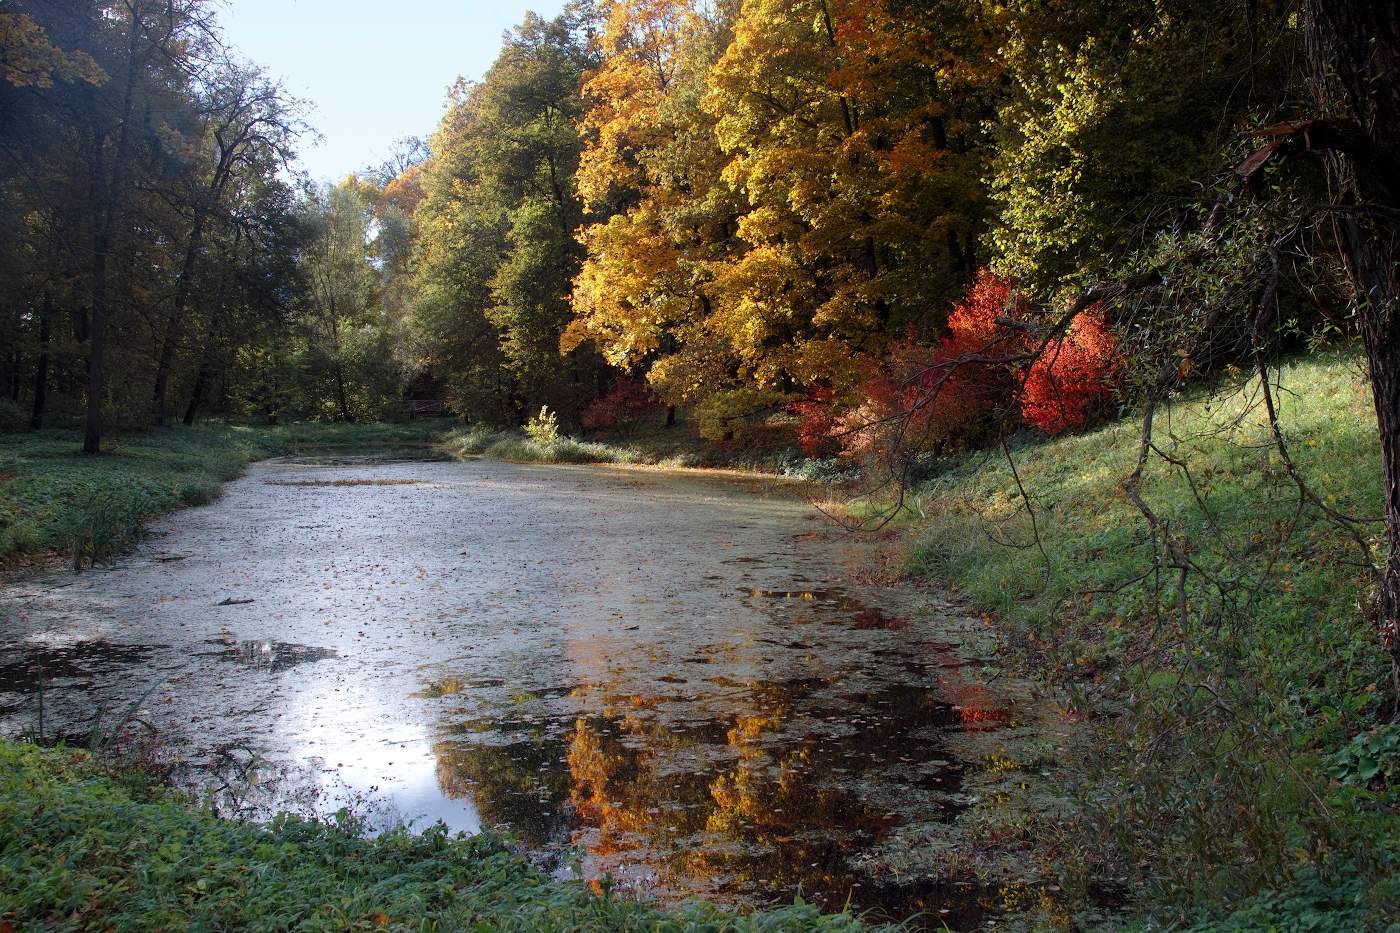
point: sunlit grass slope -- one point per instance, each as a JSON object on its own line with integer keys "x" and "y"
{"x": 978, "y": 537}
{"x": 1240, "y": 755}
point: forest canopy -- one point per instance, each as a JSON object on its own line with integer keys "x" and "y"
{"x": 764, "y": 213}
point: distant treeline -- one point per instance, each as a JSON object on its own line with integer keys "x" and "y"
{"x": 773, "y": 212}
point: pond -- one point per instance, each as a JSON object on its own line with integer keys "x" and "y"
{"x": 671, "y": 683}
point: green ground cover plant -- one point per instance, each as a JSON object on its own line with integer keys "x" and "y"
{"x": 56, "y": 500}
{"x": 85, "y": 848}
{"x": 1239, "y": 752}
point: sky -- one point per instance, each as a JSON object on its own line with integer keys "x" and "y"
{"x": 372, "y": 71}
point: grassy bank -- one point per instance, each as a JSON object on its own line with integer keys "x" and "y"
{"x": 674, "y": 447}
{"x": 83, "y": 849}
{"x": 56, "y": 500}
{"x": 1241, "y": 754}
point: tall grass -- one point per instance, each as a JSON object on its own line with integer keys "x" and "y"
{"x": 55, "y": 499}
{"x": 672, "y": 448}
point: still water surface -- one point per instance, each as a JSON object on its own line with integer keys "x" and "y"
{"x": 691, "y": 685}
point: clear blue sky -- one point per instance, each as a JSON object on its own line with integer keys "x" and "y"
{"x": 373, "y": 71}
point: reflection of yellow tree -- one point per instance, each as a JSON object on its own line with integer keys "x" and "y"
{"x": 602, "y": 795}
{"x": 617, "y": 787}
{"x": 778, "y": 817}
{"x": 792, "y": 819}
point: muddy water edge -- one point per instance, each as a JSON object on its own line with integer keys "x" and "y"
{"x": 669, "y": 683}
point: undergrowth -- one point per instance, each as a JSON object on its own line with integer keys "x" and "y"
{"x": 56, "y": 500}
{"x": 1229, "y": 773}
{"x": 84, "y": 849}
{"x": 672, "y": 448}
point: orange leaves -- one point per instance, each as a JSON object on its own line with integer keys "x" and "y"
{"x": 789, "y": 189}
{"x": 640, "y": 44}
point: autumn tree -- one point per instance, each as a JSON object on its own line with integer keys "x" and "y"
{"x": 652, "y": 173}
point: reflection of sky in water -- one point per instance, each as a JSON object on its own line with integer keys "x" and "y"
{"x": 663, "y": 671}
{"x": 362, "y": 753}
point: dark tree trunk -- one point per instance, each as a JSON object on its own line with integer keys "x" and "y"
{"x": 1354, "y": 54}
{"x": 173, "y": 333}
{"x": 670, "y": 416}
{"x": 342, "y": 402}
{"x": 97, "y": 329}
{"x": 201, "y": 379}
{"x": 41, "y": 366}
{"x": 111, "y": 188}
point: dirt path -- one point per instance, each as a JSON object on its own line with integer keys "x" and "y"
{"x": 682, "y": 678}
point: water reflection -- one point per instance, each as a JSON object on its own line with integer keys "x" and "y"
{"x": 777, "y": 789}
{"x": 27, "y": 671}
{"x": 265, "y": 654}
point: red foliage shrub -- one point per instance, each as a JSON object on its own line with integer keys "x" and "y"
{"x": 925, "y": 398}
{"x": 974, "y": 321}
{"x": 626, "y": 398}
{"x": 935, "y": 396}
{"x": 816, "y": 421}
{"x": 955, "y": 393}
{"x": 1072, "y": 377}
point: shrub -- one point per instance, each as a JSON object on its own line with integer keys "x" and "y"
{"x": 543, "y": 428}
{"x": 473, "y": 440}
{"x": 739, "y": 415}
{"x": 817, "y": 417}
{"x": 626, "y": 398}
{"x": 925, "y": 398}
{"x": 1072, "y": 377}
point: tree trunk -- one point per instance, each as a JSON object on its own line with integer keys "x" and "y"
{"x": 177, "y": 319}
{"x": 111, "y": 190}
{"x": 1354, "y": 54}
{"x": 340, "y": 399}
{"x": 41, "y": 367}
{"x": 201, "y": 379}
{"x": 97, "y": 328}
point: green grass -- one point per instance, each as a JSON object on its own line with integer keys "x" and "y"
{"x": 1095, "y": 539}
{"x": 674, "y": 447}
{"x": 55, "y": 499}
{"x": 1211, "y": 778}
{"x": 84, "y": 849}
